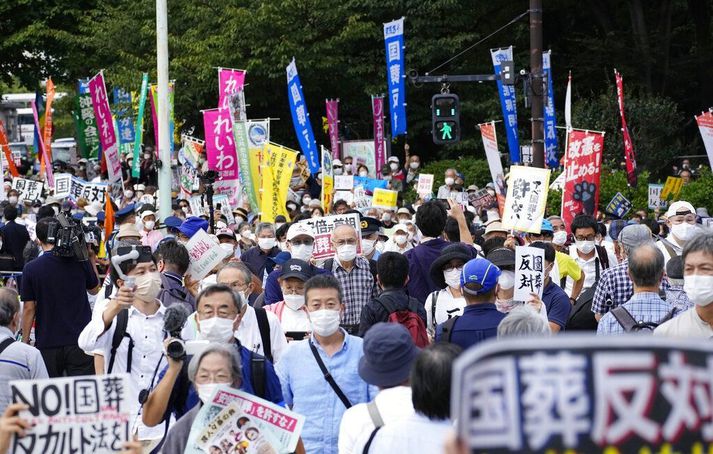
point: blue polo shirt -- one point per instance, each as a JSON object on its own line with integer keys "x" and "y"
{"x": 557, "y": 304}
{"x": 478, "y": 322}
{"x": 256, "y": 259}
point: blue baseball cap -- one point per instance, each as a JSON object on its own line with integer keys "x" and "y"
{"x": 479, "y": 276}
{"x": 173, "y": 221}
{"x": 546, "y": 226}
{"x": 193, "y": 224}
{"x": 126, "y": 210}
{"x": 101, "y": 216}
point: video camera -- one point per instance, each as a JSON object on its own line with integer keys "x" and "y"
{"x": 68, "y": 237}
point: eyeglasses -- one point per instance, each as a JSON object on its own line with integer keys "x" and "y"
{"x": 451, "y": 267}
{"x": 347, "y": 241}
{"x": 584, "y": 238}
{"x": 217, "y": 377}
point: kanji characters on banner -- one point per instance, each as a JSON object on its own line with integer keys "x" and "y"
{"x": 377, "y": 111}
{"x": 277, "y": 166}
{"x": 107, "y": 135}
{"x": 655, "y": 200}
{"x": 229, "y": 81}
{"x": 507, "y": 103}
{"x": 529, "y": 272}
{"x": 583, "y": 160}
{"x": 124, "y": 117}
{"x": 139, "y": 129}
{"x": 239, "y": 128}
{"x": 492, "y": 154}
{"x": 705, "y": 126}
{"x": 551, "y": 152}
{"x": 300, "y": 118}
{"x": 629, "y": 154}
{"x": 87, "y": 133}
{"x": 333, "y": 123}
{"x": 396, "y": 74}
{"x": 526, "y": 199}
{"x": 618, "y": 206}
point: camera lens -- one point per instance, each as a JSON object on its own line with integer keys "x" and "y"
{"x": 175, "y": 349}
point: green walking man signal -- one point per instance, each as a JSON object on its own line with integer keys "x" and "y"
{"x": 445, "y": 109}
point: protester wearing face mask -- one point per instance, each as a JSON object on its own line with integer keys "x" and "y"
{"x": 696, "y": 322}
{"x": 300, "y": 245}
{"x": 291, "y": 311}
{"x": 681, "y": 220}
{"x": 448, "y": 301}
{"x": 591, "y": 258}
{"x": 256, "y": 257}
{"x": 414, "y": 168}
{"x": 370, "y": 229}
{"x": 247, "y": 237}
{"x": 348, "y": 165}
{"x": 303, "y": 384}
{"x": 218, "y": 314}
{"x": 554, "y": 298}
{"x": 139, "y": 304}
{"x": 399, "y": 240}
{"x": 228, "y": 242}
{"x": 446, "y": 190}
{"x": 338, "y": 167}
{"x": 387, "y": 219}
{"x": 149, "y": 236}
{"x": 362, "y": 170}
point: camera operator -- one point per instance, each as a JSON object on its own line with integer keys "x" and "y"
{"x": 54, "y": 291}
{"x": 130, "y": 330}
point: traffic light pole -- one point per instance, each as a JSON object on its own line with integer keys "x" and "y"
{"x": 536, "y": 86}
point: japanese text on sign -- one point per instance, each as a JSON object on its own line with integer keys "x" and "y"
{"x": 322, "y": 229}
{"x": 526, "y": 199}
{"x": 529, "y": 272}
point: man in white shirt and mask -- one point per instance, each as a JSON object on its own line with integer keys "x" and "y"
{"x": 681, "y": 220}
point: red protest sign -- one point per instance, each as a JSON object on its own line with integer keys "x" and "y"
{"x": 582, "y": 171}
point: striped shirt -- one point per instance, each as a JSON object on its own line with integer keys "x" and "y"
{"x": 645, "y": 307}
{"x": 615, "y": 288}
{"x": 17, "y": 362}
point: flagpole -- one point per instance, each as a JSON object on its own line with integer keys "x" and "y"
{"x": 164, "y": 150}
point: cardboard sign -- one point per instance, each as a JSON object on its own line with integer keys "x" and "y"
{"x": 62, "y": 185}
{"x": 425, "y": 184}
{"x": 385, "y": 198}
{"x": 361, "y": 199}
{"x": 672, "y": 187}
{"x": 526, "y": 199}
{"x": 529, "y": 272}
{"x": 347, "y": 196}
{"x": 655, "y": 200}
{"x": 196, "y": 205}
{"x": 205, "y": 254}
{"x": 593, "y": 394}
{"x": 482, "y": 200}
{"x": 225, "y": 208}
{"x": 343, "y": 182}
{"x": 89, "y": 414}
{"x": 618, "y": 206}
{"x": 27, "y": 189}
{"x": 322, "y": 229}
{"x": 92, "y": 192}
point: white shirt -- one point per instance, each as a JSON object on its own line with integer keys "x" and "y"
{"x": 147, "y": 333}
{"x": 294, "y": 320}
{"x": 447, "y": 306}
{"x": 248, "y": 333}
{"x": 394, "y": 404}
{"x": 391, "y": 246}
{"x": 677, "y": 248}
{"x": 688, "y": 324}
{"x": 589, "y": 267}
{"x": 415, "y": 433}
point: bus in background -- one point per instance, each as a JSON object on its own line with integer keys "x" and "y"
{"x": 16, "y": 114}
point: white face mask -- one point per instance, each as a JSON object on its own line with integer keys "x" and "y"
{"x": 306, "y": 200}
{"x": 338, "y": 170}
{"x": 367, "y": 246}
{"x": 149, "y": 225}
{"x": 228, "y": 248}
{"x": 507, "y": 280}
{"x": 184, "y": 209}
{"x": 217, "y": 329}
{"x": 206, "y": 390}
{"x": 294, "y": 302}
{"x": 347, "y": 167}
{"x": 699, "y": 289}
{"x": 452, "y": 277}
{"x": 559, "y": 238}
{"x": 266, "y": 243}
{"x": 413, "y": 165}
{"x": 400, "y": 239}
{"x": 585, "y": 247}
{"x": 394, "y": 167}
{"x": 504, "y": 306}
{"x": 449, "y": 181}
{"x": 324, "y": 322}
{"x": 128, "y": 194}
{"x": 302, "y": 252}
{"x": 347, "y": 253}
{"x": 386, "y": 217}
{"x": 12, "y": 199}
{"x": 683, "y": 231}
{"x": 148, "y": 286}
{"x": 363, "y": 173}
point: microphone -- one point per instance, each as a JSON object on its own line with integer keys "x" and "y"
{"x": 173, "y": 321}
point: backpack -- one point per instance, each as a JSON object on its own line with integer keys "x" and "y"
{"x": 581, "y": 317}
{"x": 447, "y": 329}
{"x": 122, "y": 319}
{"x": 409, "y": 319}
{"x": 629, "y": 323}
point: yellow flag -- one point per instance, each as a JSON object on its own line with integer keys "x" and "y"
{"x": 277, "y": 165}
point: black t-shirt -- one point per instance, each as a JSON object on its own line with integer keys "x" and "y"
{"x": 58, "y": 286}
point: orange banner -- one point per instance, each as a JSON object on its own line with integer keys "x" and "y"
{"x": 8, "y": 153}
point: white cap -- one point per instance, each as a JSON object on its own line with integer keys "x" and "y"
{"x": 400, "y": 228}
{"x": 147, "y": 213}
{"x": 139, "y": 187}
{"x": 680, "y": 207}
{"x": 393, "y": 159}
{"x": 298, "y": 229}
{"x": 336, "y": 162}
{"x": 495, "y": 226}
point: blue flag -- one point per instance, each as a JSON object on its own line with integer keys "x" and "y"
{"x": 507, "y": 102}
{"x": 124, "y": 116}
{"x": 551, "y": 154}
{"x": 300, "y": 118}
{"x": 396, "y": 74}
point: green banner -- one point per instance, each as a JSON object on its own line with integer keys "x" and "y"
{"x": 136, "y": 164}
{"x": 240, "y": 134}
{"x": 87, "y": 134}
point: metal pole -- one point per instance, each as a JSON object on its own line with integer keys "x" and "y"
{"x": 164, "y": 151}
{"x": 536, "y": 87}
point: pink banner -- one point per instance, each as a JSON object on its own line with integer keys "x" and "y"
{"x": 105, "y": 125}
{"x": 48, "y": 165}
{"x": 583, "y": 162}
{"x": 219, "y": 144}
{"x": 628, "y": 146}
{"x": 333, "y": 123}
{"x": 229, "y": 81}
{"x": 377, "y": 110}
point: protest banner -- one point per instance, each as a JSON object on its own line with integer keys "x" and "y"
{"x": 229, "y": 81}
{"x": 47, "y": 127}
{"x": 385, "y": 199}
{"x": 332, "y": 106}
{"x": 322, "y": 229}
{"x": 277, "y": 424}
{"x": 92, "y": 192}
{"x": 529, "y": 272}
{"x": 629, "y": 154}
{"x": 83, "y": 415}
{"x": 492, "y": 154}
{"x": 361, "y": 198}
{"x": 526, "y": 199}
{"x": 593, "y": 394}
{"x": 255, "y": 156}
{"x": 276, "y": 174}
{"x": 558, "y": 183}
{"x": 377, "y": 112}
{"x": 583, "y": 159}
{"x": 327, "y": 181}
{"x": 425, "y": 184}
{"x": 62, "y": 185}
{"x": 347, "y": 196}
{"x": 87, "y": 132}
{"x": 153, "y": 95}
{"x": 233, "y": 429}
{"x": 482, "y": 200}
{"x": 672, "y": 187}
{"x": 236, "y": 103}
{"x": 220, "y": 144}
{"x": 139, "y": 128}
{"x": 258, "y": 133}
{"x": 396, "y": 74}
{"x": 551, "y": 155}
{"x": 105, "y": 125}
{"x": 27, "y": 189}
{"x": 7, "y": 152}
{"x": 362, "y": 152}
{"x": 343, "y": 182}
{"x": 124, "y": 116}
{"x": 196, "y": 205}
{"x": 300, "y": 117}
{"x": 618, "y": 206}
{"x": 705, "y": 126}
{"x": 370, "y": 184}
{"x": 188, "y": 159}
{"x": 205, "y": 254}
{"x": 41, "y": 146}
{"x": 221, "y": 202}
{"x": 507, "y": 103}
{"x": 232, "y": 189}
{"x": 655, "y": 200}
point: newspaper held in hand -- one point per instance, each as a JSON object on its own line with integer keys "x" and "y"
{"x": 204, "y": 253}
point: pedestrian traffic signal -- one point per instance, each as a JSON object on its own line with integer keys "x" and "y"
{"x": 446, "y": 118}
